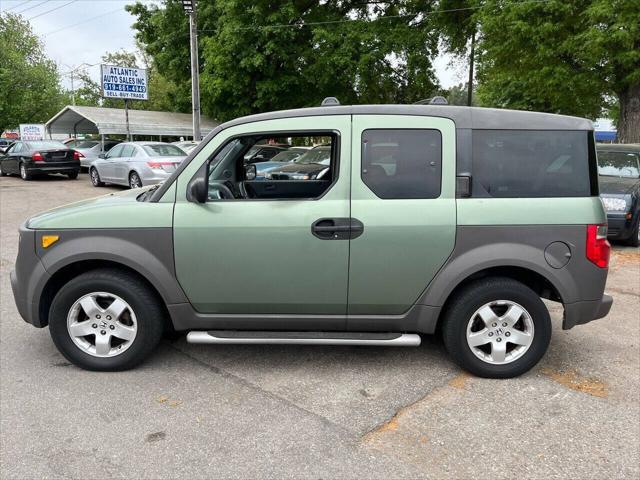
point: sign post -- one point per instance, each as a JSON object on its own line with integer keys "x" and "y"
{"x": 125, "y": 83}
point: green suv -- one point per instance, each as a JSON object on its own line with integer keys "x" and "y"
{"x": 424, "y": 219}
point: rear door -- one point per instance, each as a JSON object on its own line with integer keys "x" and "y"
{"x": 403, "y": 192}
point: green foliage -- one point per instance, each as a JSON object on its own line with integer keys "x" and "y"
{"x": 261, "y": 55}
{"x": 28, "y": 79}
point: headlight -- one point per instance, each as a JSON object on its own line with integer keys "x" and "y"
{"x": 614, "y": 204}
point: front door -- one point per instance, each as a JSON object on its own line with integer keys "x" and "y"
{"x": 261, "y": 256}
{"x": 403, "y": 192}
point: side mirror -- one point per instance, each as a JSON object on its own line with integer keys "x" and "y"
{"x": 250, "y": 172}
{"x": 102, "y": 155}
{"x": 198, "y": 190}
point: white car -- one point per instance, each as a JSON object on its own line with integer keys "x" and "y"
{"x": 135, "y": 164}
{"x": 90, "y": 150}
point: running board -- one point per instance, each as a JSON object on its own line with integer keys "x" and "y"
{"x": 305, "y": 338}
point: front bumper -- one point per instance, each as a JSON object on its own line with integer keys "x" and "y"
{"x": 619, "y": 227}
{"x": 579, "y": 313}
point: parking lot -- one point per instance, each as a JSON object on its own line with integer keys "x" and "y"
{"x": 195, "y": 411}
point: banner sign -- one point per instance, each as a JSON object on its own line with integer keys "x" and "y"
{"x": 31, "y": 131}
{"x": 124, "y": 82}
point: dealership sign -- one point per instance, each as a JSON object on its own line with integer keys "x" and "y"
{"x": 31, "y": 131}
{"x": 124, "y": 82}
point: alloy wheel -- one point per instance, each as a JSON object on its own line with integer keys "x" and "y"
{"x": 102, "y": 324}
{"x": 94, "y": 177}
{"x": 500, "y": 332}
{"x": 134, "y": 181}
{"x": 23, "y": 171}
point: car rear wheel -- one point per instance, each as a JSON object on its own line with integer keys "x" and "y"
{"x": 134, "y": 180}
{"x": 106, "y": 320}
{"x": 95, "y": 177}
{"x": 497, "y": 328}
{"x": 2, "y": 172}
{"x": 72, "y": 175}
{"x": 24, "y": 173}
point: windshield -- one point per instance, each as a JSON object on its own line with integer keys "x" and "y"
{"x": 86, "y": 144}
{"x": 43, "y": 145}
{"x": 618, "y": 164}
{"x": 321, "y": 156}
{"x": 160, "y": 150}
{"x": 286, "y": 156}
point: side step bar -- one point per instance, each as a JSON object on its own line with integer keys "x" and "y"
{"x": 305, "y": 338}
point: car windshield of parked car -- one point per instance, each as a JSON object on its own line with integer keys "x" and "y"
{"x": 321, "y": 156}
{"x": 86, "y": 144}
{"x": 619, "y": 164}
{"x": 45, "y": 144}
{"x": 159, "y": 150}
{"x": 286, "y": 156}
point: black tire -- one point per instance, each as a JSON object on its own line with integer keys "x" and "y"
{"x": 25, "y": 174}
{"x": 72, "y": 175}
{"x": 143, "y": 301}
{"x": 461, "y": 310}
{"x": 134, "y": 180}
{"x": 94, "y": 176}
{"x": 634, "y": 239}
{"x": 2, "y": 172}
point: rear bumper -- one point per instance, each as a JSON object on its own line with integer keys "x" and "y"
{"x": 58, "y": 167}
{"x": 579, "y": 313}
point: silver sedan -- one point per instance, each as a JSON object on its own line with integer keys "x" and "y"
{"x": 135, "y": 164}
{"x": 90, "y": 150}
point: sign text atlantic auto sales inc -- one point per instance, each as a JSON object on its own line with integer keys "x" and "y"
{"x": 124, "y": 82}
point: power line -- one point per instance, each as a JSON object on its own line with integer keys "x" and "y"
{"x": 388, "y": 17}
{"x": 83, "y": 21}
{"x": 53, "y": 9}
{"x": 30, "y": 7}
{"x": 18, "y": 6}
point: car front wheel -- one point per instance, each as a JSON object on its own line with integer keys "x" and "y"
{"x": 106, "y": 320}
{"x": 95, "y": 177}
{"x": 497, "y": 328}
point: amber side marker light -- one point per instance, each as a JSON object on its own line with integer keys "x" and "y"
{"x": 48, "y": 240}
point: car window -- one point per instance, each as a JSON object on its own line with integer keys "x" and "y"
{"x": 287, "y": 156}
{"x": 109, "y": 145}
{"x": 286, "y": 179}
{"x": 619, "y": 164}
{"x": 531, "y": 163}
{"x": 115, "y": 152}
{"x": 127, "y": 151}
{"x": 400, "y": 164}
{"x": 162, "y": 150}
{"x": 46, "y": 145}
{"x": 86, "y": 144}
{"x": 17, "y": 147}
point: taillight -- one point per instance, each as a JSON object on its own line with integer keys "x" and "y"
{"x": 37, "y": 157}
{"x": 598, "y": 248}
{"x": 77, "y": 155}
{"x": 159, "y": 165}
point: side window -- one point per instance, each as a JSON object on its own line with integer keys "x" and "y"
{"x": 127, "y": 151}
{"x": 402, "y": 163}
{"x": 305, "y": 174}
{"x": 17, "y": 147}
{"x": 531, "y": 163}
{"x": 115, "y": 152}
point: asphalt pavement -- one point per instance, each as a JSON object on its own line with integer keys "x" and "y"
{"x": 196, "y": 411}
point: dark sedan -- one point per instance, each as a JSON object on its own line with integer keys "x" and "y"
{"x": 313, "y": 165}
{"x": 619, "y": 178}
{"x": 39, "y": 157}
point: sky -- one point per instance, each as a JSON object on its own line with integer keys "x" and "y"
{"x": 81, "y": 31}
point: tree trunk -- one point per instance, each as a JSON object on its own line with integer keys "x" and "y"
{"x": 629, "y": 121}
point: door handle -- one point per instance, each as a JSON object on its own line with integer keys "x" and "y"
{"x": 337, "y": 228}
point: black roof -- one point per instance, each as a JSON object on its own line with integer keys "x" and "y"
{"x": 463, "y": 117}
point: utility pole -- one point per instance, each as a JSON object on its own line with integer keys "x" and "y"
{"x": 189, "y": 7}
{"x": 471, "y": 61}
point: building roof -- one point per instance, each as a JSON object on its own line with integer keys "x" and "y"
{"x": 463, "y": 117}
{"x": 111, "y": 121}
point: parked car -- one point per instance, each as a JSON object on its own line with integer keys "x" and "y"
{"x": 135, "y": 164}
{"x": 5, "y": 143}
{"x": 72, "y": 142}
{"x": 478, "y": 215}
{"x": 263, "y": 153}
{"x": 619, "y": 177}
{"x": 313, "y": 164}
{"x": 186, "y": 145}
{"x": 281, "y": 158}
{"x": 39, "y": 158}
{"x": 90, "y": 150}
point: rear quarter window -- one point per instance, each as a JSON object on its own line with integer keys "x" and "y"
{"x": 534, "y": 163}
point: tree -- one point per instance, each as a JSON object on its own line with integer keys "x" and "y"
{"x": 268, "y": 55}
{"x": 563, "y": 57}
{"x": 29, "y": 81}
